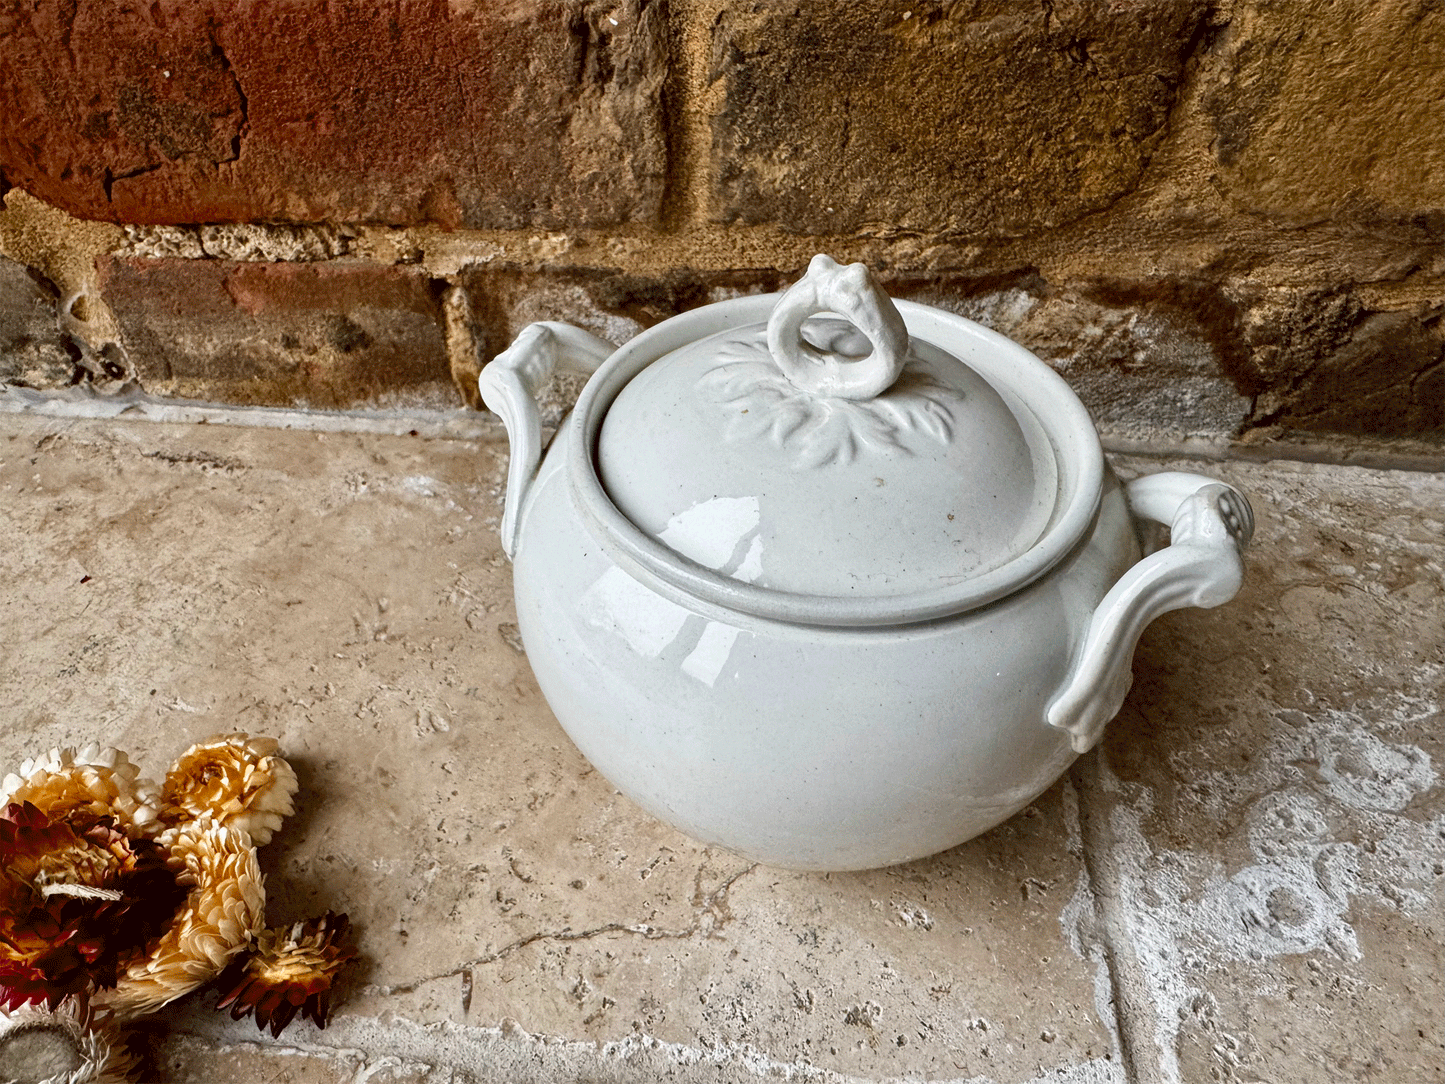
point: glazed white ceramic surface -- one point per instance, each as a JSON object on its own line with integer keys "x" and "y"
{"x": 826, "y": 607}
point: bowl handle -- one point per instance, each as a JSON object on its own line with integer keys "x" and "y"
{"x": 1210, "y": 524}
{"x": 510, "y": 383}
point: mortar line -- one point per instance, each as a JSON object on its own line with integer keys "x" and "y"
{"x": 77, "y": 405}
{"x": 690, "y": 137}
{"x": 1134, "y": 1017}
{"x": 1223, "y": 450}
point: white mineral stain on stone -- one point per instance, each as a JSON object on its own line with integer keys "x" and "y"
{"x": 483, "y": 1051}
{"x": 1362, "y": 771}
{"x": 421, "y": 485}
{"x": 1328, "y": 830}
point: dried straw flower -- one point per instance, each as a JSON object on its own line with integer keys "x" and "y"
{"x": 67, "y": 1046}
{"x": 222, "y": 911}
{"x": 288, "y": 971}
{"x": 77, "y": 900}
{"x": 95, "y": 782}
{"x": 118, "y": 896}
{"x": 236, "y": 779}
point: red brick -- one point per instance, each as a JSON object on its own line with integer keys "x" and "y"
{"x": 340, "y": 334}
{"x": 463, "y": 114}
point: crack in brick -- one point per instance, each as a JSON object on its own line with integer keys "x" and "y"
{"x": 108, "y": 178}
{"x": 220, "y": 52}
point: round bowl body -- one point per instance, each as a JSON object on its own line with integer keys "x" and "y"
{"x": 800, "y": 746}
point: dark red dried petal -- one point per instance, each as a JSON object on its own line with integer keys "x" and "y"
{"x": 282, "y": 1015}
{"x": 272, "y": 981}
{"x": 53, "y": 947}
{"x": 25, "y": 832}
{"x": 234, "y": 995}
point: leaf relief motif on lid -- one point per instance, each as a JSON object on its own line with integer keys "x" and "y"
{"x": 915, "y": 412}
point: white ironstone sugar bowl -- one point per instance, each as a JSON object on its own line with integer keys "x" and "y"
{"x": 834, "y": 591}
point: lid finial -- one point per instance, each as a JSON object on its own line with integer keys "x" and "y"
{"x": 855, "y": 294}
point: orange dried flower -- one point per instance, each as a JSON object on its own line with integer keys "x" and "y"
{"x": 236, "y": 779}
{"x": 288, "y": 971}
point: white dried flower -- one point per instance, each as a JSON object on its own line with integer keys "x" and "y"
{"x": 96, "y": 781}
{"x": 66, "y": 1046}
{"x": 236, "y": 779}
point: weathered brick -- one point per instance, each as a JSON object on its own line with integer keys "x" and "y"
{"x": 1143, "y": 364}
{"x": 1215, "y": 357}
{"x": 463, "y": 114}
{"x": 614, "y": 304}
{"x": 1151, "y": 358}
{"x": 1332, "y": 111}
{"x": 988, "y": 117}
{"x": 1330, "y": 362}
{"x": 1148, "y": 361}
{"x": 33, "y": 351}
{"x": 1387, "y": 379}
{"x": 339, "y": 334}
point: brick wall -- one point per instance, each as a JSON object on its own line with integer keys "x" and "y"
{"x": 1216, "y": 219}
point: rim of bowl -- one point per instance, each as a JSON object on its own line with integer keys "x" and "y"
{"x": 1025, "y": 383}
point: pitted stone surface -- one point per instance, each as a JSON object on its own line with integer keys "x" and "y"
{"x": 1244, "y": 884}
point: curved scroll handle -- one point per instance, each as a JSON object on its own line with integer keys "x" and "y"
{"x": 851, "y": 292}
{"x": 509, "y": 385}
{"x": 1210, "y": 524}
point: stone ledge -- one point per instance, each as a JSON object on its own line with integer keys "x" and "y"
{"x": 1243, "y": 880}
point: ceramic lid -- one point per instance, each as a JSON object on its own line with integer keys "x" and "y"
{"x": 830, "y": 458}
